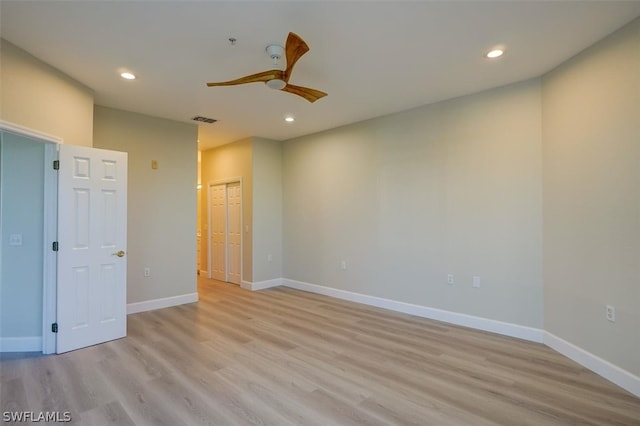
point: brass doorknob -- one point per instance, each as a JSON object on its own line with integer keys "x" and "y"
{"x": 119, "y": 254}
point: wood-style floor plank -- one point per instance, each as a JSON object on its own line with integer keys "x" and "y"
{"x": 285, "y": 357}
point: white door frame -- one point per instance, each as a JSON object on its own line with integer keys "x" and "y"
{"x": 50, "y": 217}
{"x": 209, "y": 217}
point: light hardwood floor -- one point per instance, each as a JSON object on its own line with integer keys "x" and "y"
{"x": 282, "y": 356}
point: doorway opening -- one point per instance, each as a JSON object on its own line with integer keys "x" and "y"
{"x": 28, "y": 270}
{"x": 67, "y": 232}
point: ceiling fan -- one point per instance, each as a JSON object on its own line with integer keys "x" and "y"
{"x": 276, "y": 78}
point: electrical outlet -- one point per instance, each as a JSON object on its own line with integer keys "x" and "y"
{"x": 269, "y": 258}
{"x": 343, "y": 265}
{"x": 476, "y": 282}
{"x": 449, "y": 278}
{"x": 147, "y": 272}
{"x": 611, "y": 313}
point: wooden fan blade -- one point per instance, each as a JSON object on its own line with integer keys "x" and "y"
{"x": 253, "y": 78}
{"x": 294, "y": 49}
{"x": 311, "y": 95}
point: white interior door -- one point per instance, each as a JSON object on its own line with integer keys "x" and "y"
{"x": 92, "y": 237}
{"x": 218, "y": 197}
{"x": 226, "y": 232}
{"x": 234, "y": 232}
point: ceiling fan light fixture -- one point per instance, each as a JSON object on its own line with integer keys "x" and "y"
{"x": 276, "y": 84}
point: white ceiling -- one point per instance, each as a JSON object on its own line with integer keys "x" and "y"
{"x": 372, "y": 58}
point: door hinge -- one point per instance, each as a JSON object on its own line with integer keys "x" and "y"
{"x": 54, "y": 246}
{"x": 56, "y": 164}
{"x": 54, "y": 327}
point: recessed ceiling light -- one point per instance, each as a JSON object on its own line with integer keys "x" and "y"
{"x": 127, "y": 76}
{"x": 289, "y": 119}
{"x": 495, "y": 53}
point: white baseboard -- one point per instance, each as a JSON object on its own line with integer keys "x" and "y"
{"x": 166, "y": 302}
{"x": 261, "y": 285}
{"x": 21, "y": 344}
{"x": 494, "y": 326}
{"x": 609, "y": 371}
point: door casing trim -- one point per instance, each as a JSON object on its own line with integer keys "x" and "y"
{"x": 50, "y": 217}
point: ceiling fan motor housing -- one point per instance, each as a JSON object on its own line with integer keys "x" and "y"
{"x": 275, "y": 52}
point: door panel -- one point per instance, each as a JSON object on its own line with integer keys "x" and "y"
{"x": 81, "y": 216}
{"x": 218, "y": 232}
{"x": 108, "y": 284}
{"x": 80, "y": 297}
{"x": 234, "y": 232}
{"x": 92, "y": 229}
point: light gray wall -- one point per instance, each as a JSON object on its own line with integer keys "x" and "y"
{"x": 591, "y": 133}
{"x": 35, "y": 95}
{"x": 161, "y": 203}
{"x": 267, "y": 209}
{"x": 453, "y": 187}
{"x": 22, "y": 206}
{"x": 40, "y": 97}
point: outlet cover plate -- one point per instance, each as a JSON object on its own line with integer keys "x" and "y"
{"x": 611, "y": 313}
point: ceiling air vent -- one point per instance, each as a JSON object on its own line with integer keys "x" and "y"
{"x": 203, "y": 119}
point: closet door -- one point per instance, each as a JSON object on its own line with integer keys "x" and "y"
{"x": 218, "y": 235}
{"x": 234, "y": 232}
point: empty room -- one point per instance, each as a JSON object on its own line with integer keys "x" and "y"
{"x": 320, "y": 212}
